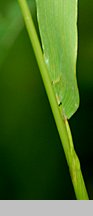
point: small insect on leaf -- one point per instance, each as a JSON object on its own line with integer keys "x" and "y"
{"x": 57, "y": 21}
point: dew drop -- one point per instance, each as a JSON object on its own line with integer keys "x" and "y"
{"x": 47, "y": 61}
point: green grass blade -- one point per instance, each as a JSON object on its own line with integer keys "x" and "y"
{"x": 58, "y": 29}
{"x": 61, "y": 122}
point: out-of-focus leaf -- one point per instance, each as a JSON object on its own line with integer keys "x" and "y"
{"x": 10, "y": 26}
{"x": 58, "y": 29}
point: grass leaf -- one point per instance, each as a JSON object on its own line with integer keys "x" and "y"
{"x": 58, "y": 30}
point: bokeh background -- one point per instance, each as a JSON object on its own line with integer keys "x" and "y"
{"x": 32, "y": 161}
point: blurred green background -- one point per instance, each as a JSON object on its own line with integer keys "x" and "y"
{"x": 32, "y": 161}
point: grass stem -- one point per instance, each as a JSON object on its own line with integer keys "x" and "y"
{"x": 61, "y": 122}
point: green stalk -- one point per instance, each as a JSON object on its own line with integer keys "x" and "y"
{"x": 61, "y": 123}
